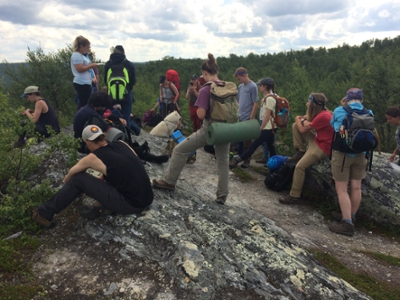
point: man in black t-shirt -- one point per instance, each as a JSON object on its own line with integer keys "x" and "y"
{"x": 118, "y": 181}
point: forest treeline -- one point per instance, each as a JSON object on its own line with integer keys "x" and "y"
{"x": 373, "y": 66}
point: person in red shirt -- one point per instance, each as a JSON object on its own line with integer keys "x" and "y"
{"x": 315, "y": 130}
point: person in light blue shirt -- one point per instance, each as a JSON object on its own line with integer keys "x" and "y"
{"x": 347, "y": 168}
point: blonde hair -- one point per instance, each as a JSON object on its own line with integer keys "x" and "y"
{"x": 80, "y": 41}
{"x": 314, "y": 109}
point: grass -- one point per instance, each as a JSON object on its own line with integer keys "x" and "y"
{"x": 242, "y": 175}
{"x": 391, "y": 260}
{"x": 260, "y": 170}
{"x": 17, "y": 280}
{"x": 374, "y": 288}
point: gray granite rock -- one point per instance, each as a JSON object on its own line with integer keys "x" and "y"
{"x": 380, "y": 189}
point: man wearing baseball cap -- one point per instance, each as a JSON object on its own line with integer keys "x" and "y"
{"x": 123, "y": 186}
{"x": 43, "y": 115}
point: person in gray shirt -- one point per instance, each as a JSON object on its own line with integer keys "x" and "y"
{"x": 248, "y": 105}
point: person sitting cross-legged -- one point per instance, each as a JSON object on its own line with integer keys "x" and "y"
{"x": 123, "y": 186}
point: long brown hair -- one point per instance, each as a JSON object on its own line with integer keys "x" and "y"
{"x": 317, "y": 104}
{"x": 80, "y": 41}
{"x": 210, "y": 65}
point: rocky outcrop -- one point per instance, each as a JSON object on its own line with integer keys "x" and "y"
{"x": 208, "y": 249}
{"x": 380, "y": 189}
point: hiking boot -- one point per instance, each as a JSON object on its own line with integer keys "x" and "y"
{"x": 296, "y": 157}
{"x": 221, "y": 200}
{"x": 245, "y": 164}
{"x": 338, "y": 216}
{"x": 191, "y": 159}
{"x": 91, "y": 212}
{"x": 161, "y": 184}
{"x": 262, "y": 161}
{"x": 290, "y": 200}
{"x": 342, "y": 228}
{"x": 234, "y": 162}
{"x": 41, "y": 220}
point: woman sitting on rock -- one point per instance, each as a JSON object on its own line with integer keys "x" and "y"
{"x": 393, "y": 117}
{"x": 315, "y": 130}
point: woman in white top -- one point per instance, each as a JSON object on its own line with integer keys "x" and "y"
{"x": 80, "y": 66}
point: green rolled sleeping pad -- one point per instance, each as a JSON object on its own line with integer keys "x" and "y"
{"x": 224, "y": 133}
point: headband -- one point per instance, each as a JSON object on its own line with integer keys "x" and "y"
{"x": 312, "y": 99}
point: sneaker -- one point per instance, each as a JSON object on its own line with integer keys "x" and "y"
{"x": 297, "y": 156}
{"x": 221, "y": 200}
{"x": 42, "y": 221}
{"x": 262, "y": 161}
{"x": 234, "y": 162}
{"x": 245, "y": 164}
{"x": 91, "y": 212}
{"x": 161, "y": 184}
{"x": 290, "y": 200}
{"x": 338, "y": 216}
{"x": 342, "y": 228}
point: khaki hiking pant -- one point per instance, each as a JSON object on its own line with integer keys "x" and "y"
{"x": 311, "y": 156}
{"x": 195, "y": 141}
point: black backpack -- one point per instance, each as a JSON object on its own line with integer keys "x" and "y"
{"x": 280, "y": 178}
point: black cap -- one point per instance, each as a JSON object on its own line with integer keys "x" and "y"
{"x": 266, "y": 81}
{"x": 194, "y": 77}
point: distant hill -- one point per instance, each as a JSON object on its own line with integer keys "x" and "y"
{"x": 3, "y": 68}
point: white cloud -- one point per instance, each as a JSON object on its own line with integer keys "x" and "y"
{"x": 150, "y": 30}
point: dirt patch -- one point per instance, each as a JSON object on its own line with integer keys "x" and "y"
{"x": 71, "y": 265}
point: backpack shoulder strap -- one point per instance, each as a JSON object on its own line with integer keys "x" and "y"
{"x": 347, "y": 109}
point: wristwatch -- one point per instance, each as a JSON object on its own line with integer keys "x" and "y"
{"x": 302, "y": 121}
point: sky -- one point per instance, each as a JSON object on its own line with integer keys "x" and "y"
{"x": 150, "y": 30}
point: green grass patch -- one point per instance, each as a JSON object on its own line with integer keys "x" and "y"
{"x": 374, "y": 288}
{"x": 391, "y": 260}
{"x": 242, "y": 175}
{"x": 260, "y": 170}
{"x": 17, "y": 280}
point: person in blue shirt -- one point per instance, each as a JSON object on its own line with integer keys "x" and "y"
{"x": 347, "y": 167}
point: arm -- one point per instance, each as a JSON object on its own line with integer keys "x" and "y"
{"x": 81, "y": 68}
{"x": 393, "y": 156}
{"x": 40, "y": 107}
{"x": 267, "y": 117}
{"x": 89, "y": 161}
{"x": 254, "y": 110}
{"x": 303, "y": 126}
{"x": 175, "y": 90}
{"x": 155, "y": 106}
{"x": 161, "y": 97}
{"x": 187, "y": 93}
{"x": 201, "y": 113}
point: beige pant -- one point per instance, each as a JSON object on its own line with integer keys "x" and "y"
{"x": 195, "y": 141}
{"x": 312, "y": 155}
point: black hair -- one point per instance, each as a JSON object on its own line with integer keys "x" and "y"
{"x": 210, "y": 65}
{"x": 99, "y": 99}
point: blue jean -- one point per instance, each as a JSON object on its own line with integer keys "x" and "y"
{"x": 266, "y": 136}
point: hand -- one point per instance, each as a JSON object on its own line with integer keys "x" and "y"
{"x": 94, "y": 80}
{"x": 123, "y": 121}
{"x": 392, "y": 157}
{"x": 151, "y": 109}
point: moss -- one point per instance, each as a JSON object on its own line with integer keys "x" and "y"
{"x": 260, "y": 170}
{"x": 374, "y": 288}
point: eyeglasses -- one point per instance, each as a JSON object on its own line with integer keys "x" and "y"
{"x": 312, "y": 99}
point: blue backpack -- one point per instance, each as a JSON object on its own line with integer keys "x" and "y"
{"x": 276, "y": 161}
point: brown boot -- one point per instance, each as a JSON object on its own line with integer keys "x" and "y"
{"x": 342, "y": 228}
{"x": 161, "y": 184}
{"x": 290, "y": 200}
{"x": 297, "y": 156}
{"x": 41, "y": 220}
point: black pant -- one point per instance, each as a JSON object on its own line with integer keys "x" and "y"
{"x": 84, "y": 92}
{"x": 93, "y": 187}
{"x": 265, "y": 136}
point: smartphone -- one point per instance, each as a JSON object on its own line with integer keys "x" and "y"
{"x": 94, "y": 173}
{"x": 191, "y": 83}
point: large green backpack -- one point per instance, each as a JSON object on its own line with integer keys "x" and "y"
{"x": 223, "y": 101}
{"x": 117, "y": 81}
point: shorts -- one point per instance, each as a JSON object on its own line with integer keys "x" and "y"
{"x": 354, "y": 168}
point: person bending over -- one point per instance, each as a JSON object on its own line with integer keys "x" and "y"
{"x": 198, "y": 139}
{"x": 123, "y": 187}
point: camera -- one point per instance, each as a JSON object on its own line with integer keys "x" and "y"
{"x": 191, "y": 83}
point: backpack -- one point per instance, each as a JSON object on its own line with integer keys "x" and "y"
{"x": 223, "y": 101}
{"x": 280, "y": 178}
{"x": 173, "y": 76}
{"x": 356, "y": 134}
{"x": 117, "y": 81}
{"x": 276, "y": 161}
{"x": 147, "y": 116}
{"x": 281, "y": 113}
